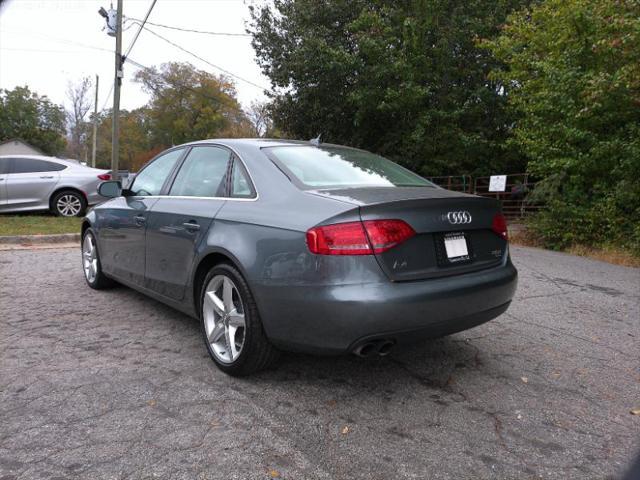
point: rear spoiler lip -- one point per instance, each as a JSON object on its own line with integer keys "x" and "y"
{"x": 455, "y": 196}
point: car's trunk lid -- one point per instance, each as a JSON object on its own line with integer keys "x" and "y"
{"x": 441, "y": 219}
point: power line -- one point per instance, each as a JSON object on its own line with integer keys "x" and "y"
{"x": 162, "y": 78}
{"x": 39, "y": 50}
{"x": 104, "y": 105}
{"x": 136, "y": 64}
{"x": 181, "y": 29}
{"x": 60, "y": 40}
{"x": 153, "y": 4}
{"x": 206, "y": 61}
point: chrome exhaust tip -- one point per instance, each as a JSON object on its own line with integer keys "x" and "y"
{"x": 366, "y": 349}
{"x": 377, "y": 347}
{"x": 384, "y": 348}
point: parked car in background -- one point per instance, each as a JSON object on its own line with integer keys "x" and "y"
{"x": 277, "y": 244}
{"x": 31, "y": 182}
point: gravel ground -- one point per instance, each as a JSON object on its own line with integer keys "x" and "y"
{"x": 115, "y": 385}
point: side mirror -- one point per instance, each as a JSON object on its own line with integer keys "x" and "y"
{"x": 110, "y": 189}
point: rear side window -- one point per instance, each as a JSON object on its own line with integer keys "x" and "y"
{"x": 240, "y": 184}
{"x": 31, "y": 165}
{"x": 151, "y": 178}
{"x": 203, "y": 173}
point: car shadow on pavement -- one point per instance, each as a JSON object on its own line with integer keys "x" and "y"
{"x": 432, "y": 363}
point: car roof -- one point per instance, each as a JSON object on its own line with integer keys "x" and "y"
{"x": 260, "y": 142}
{"x": 249, "y": 142}
{"x": 66, "y": 161}
{"x": 43, "y": 157}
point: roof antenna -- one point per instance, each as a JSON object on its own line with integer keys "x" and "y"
{"x": 316, "y": 141}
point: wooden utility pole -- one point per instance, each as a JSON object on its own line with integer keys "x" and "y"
{"x": 116, "y": 96}
{"x": 95, "y": 126}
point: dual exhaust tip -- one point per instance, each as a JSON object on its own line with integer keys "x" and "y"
{"x": 381, "y": 348}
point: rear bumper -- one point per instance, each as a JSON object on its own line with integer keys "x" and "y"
{"x": 334, "y": 319}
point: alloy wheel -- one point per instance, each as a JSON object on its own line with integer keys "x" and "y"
{"x": 89, "y": 258}
{"x": 69, "y": 205}
{"x": 224, "y": 321}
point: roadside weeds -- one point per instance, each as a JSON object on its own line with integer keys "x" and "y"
{"x": 616, "y": 256}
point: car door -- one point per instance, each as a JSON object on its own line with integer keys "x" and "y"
{"x": 123, "y": 220}
{"x": 4, "y": 169}
{"x": 179, "y": 221}
{"x": 31, "y": 182}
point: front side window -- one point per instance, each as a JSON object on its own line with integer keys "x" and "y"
{"x": 31, "y": 165}
{"x": 150, "y": 180}
{"x": 203, "y": 173}
{"x": 340, "y": 167}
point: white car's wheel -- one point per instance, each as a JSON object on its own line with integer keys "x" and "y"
{"x": 68, "y": 203}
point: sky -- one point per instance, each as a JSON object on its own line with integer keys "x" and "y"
{"x": 45, "y": 44}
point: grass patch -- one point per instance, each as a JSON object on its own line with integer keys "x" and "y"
{"x": 609, "y": 253}
{"x": 38, "y": 224}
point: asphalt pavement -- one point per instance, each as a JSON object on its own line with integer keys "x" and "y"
{"x": 114, "y": 385}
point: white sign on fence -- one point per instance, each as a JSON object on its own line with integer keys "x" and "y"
{"x": 497, "y": 183}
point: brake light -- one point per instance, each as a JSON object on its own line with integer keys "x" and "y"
{"x": 358, "y": 238}
{"x": 499, "y": 226}
{"x": 386, "y": 234}
{"x": 104, "y": 176}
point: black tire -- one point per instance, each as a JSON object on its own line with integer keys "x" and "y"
{"x": 99, "y": 281}
{"x": 257, "y": 353}
{"x": 73, "y": 199}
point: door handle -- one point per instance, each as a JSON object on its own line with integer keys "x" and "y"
{"x": 139, "y": 220}
{"x": 46, "y": 176}
{"x": 191, "y": 226}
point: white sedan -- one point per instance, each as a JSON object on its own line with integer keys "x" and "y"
{"x": 32, "y": 182}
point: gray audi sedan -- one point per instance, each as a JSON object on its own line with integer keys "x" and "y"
{"x": 284, "y": 245}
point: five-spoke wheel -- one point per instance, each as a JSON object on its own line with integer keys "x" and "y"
{"x": 224, "y": 318}
{"x": 231, "y": 324}
{"x": 89, "y": 258}
{"x": 91, "y": 262}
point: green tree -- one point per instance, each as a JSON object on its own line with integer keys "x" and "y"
{"x": 405, "y": 79}
{"x": 33, "y": 118}
{"x": 135, "y": 139}
{"x": 573, "y": 77}
{"x": 190, "y": 104}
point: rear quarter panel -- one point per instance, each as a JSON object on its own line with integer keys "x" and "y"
{"x": 266, "y": 239}
{"x": 83, "y": 179}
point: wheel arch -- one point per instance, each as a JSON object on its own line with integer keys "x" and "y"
{"x": 85, "y": 226}
{"x": 63, "y": 189}
{"x": 206, "y": 263}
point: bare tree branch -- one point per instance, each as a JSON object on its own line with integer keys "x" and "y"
{"x": 79, "y": 97}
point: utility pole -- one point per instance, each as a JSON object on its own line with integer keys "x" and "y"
{"x": 116, "y": 95}
{"x": 95, "y": 126}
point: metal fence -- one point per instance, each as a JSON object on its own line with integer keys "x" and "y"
{"x": 515, "y": 199}
{"x": 458, "y": 183}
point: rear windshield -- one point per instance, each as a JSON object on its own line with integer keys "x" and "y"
{"x": 339, "y": 167}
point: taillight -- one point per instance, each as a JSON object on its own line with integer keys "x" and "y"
{"x": 386, "y": 234}
{"x": 104, "y": 176}
{"x": 499, "y": 226}
{"x": 358, "y": 238}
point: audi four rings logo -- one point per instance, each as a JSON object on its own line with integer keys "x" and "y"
{"x": 459, "y": 218}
